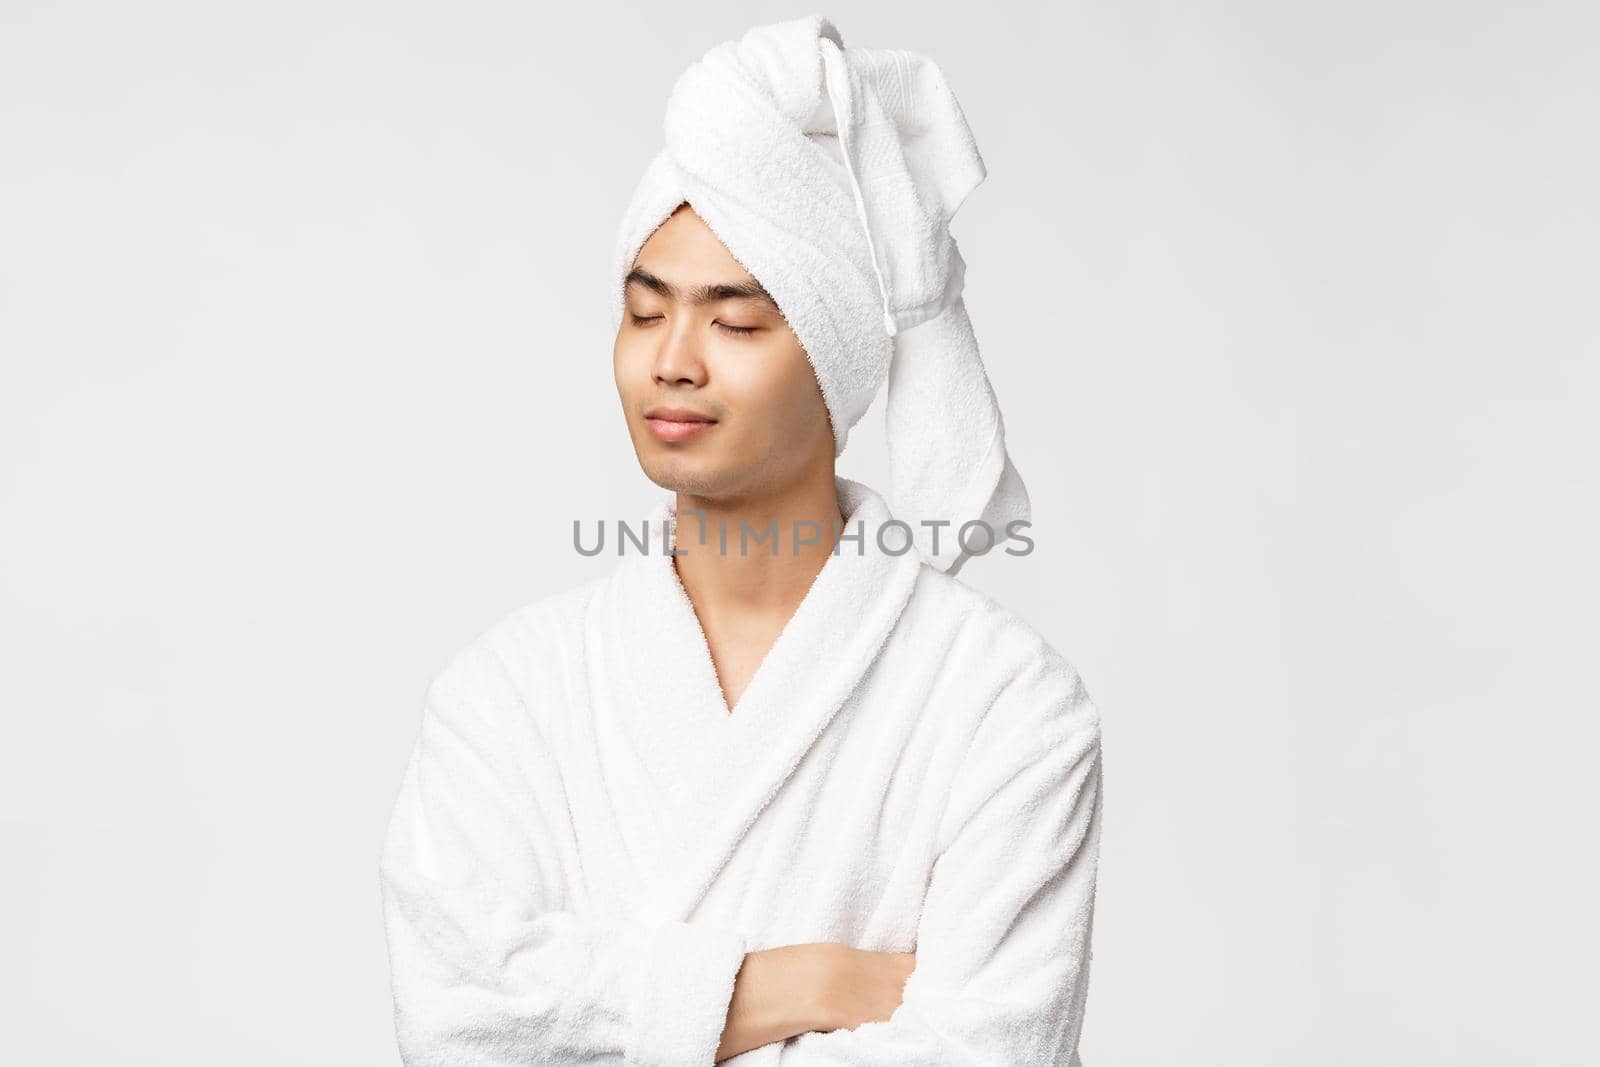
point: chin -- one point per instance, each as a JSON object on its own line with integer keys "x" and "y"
{"x": 686, "y": 474}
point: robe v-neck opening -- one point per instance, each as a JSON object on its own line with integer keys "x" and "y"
{"x": 710, "y": 664}
{"x": 723, "y": 766}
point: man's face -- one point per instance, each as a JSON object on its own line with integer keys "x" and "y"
{"x": 700, "y": 336}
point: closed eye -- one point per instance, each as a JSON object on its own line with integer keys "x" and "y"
{"x": 737, "y": 331}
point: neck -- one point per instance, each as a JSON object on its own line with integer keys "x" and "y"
{"x": 736, "y": 568}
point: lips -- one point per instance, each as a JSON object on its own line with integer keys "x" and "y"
{"x": 677, "y": 424}
{"x": 677, "y": 415}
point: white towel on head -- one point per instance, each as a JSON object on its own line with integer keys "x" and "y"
{"x": 831, "y": 174}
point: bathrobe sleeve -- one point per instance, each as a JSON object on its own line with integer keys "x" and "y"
{"x": 489, "y": 966}
{"x": 1003, "y": 941}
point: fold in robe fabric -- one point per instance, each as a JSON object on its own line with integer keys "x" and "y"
{"x": 586, "y": 842}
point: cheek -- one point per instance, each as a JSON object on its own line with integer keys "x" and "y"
{"x": 778, "y": 388}
{"x": 629, "y": 360}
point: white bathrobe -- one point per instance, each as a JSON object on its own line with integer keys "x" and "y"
{"x": 586, "y": 842}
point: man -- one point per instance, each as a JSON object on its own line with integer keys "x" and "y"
{"x": 803, "y": 799}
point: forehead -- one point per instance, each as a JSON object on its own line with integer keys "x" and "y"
{"x": 685, "y": 241}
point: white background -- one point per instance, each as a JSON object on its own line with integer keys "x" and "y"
{"x": 1292, "y": 312}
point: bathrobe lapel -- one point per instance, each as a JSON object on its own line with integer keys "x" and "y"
{"x": 711, "y": 772}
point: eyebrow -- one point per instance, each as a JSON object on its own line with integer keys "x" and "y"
{"x": 709, "y": 293}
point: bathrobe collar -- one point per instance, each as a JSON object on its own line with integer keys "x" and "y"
{"x": 715, "y": 771}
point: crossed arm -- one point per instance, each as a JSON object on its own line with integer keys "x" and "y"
{"x": 785, "y": 992}
{"x": 491, "y": 966}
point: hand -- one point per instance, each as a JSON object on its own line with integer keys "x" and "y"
{"x": 863, "y": 986}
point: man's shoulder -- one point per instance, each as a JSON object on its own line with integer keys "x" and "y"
{"x": 983, "y": 635}
{"x": 558, "y": 612}
{"x": 942, "y": 602}
{"x": 535, "y": 631}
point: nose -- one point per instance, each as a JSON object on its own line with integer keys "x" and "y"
{"x": 678, "y": 358}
